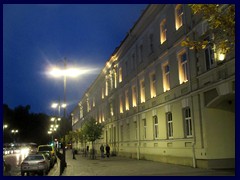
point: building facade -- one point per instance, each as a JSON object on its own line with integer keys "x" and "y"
{"x": 164, "y": 102}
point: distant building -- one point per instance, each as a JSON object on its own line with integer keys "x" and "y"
{"x": 161, "y": 101}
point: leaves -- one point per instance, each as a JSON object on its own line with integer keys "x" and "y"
{"x": 221, "y": 21}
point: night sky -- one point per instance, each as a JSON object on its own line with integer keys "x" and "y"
{"x": 36, "y": 37}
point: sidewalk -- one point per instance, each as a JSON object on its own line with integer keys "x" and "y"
{"x": 121, "y": 166}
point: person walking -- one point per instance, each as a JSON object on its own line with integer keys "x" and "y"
{"x": 102, "y": 150}
{"x": 108, "y": 150}
{"x": 73, "y": 153}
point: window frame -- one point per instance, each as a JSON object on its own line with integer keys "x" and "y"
{"x": 163, "y": 31}
{"x": 188, "y": 122}
{"x": 155, "y": 127}
{"x": 178, "y": 16}
{"x": 169, "y": 125}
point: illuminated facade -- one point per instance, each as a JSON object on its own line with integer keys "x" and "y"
{"x": 161, "y": 101}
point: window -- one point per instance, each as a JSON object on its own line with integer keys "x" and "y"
{"x": 106, "y": 84}
{"x": 121, "y": 104}
{"x": 134, "y": 96}
{"x": 115, "y": 79}
{"x": 141, "y": 53}
{"x": 102, "y": 92}
{"x": 93, "y": 102}
{"x": 153, "y": 85}
{"x": 155, "y": 128}
{"x": 166, "y": 77}
{"x": 142, "y": 86}
{"x": 133, "y": 62}
{"x": 209, "y": 55}
{"x": 144, "y": 129}
{"x": 169, "y": 125}
{"x": 178, "y": 16}
{"x": 81, "y": 111}
{"x": 188, "y": 122}
{"x": 102, "y": 112}
{"x": 183, "y": 67}
{"x": 88, "y": 105}
{"x": 135, "y": 124}
{"x": 163, "y": 31}
{"x": 121, "y": 132}
{"x": 128, "y": 131}
{"x": 151, "y": 43}
{"x": 111, "y": 81}
{"x": 126, "y": 68}
{"x": 126, "y": 100}
{"x": 120, "y": 75}
{"x": 111, "y": 109}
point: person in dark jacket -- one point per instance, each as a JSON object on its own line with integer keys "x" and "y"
{"x": 102, "y": 151}
{"x": 108, "y": 150}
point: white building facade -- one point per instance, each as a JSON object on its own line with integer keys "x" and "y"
{"x": 164, "y": 102}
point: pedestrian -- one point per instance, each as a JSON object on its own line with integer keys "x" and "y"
{"x": 102, "y": 151}
{"x": 108, "y": 150}
{"x": 73, "y": 153}
{"x": 87, "y": 151}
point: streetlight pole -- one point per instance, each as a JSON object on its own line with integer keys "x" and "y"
{"x": 14, "y": 132}
{"x": 64, "y": 112}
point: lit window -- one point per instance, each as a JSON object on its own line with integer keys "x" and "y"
{"x": 155, "y": 128}
{"x": 121, "y": 104}
{"x": 93, "y": 101}
{"x": 102, "y": 92}
{"x": 163, "y": 31}
{"x": 134, "y": 96}
{"x": 183, "y": 67}
{"x": 142, "y": 93}
{"x": 188, "y": 122}
{"x": 111, "y": 109}
{"x": 88, "y": 105}
{"x": 81, "y": 111}
{"x": 106, "y": 89}
{"x": 153, "y": 85}
{"x": 120, "y": 75}
{"x": 115, "y": 79}
{"x": 126, "y": 100}
{"x": 179, "y": 16}
{"x": 169, "y": 125}
{"x": 166, "y": 77}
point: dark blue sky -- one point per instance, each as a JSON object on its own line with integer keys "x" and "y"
{"x": 37, "y": 36}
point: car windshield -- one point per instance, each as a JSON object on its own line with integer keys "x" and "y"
{"x": 45, "y": 148}
{"x": 32, "y": 158}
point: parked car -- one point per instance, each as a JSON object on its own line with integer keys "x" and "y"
{"x": 48, "y": 149}
{"x": 35, "y": 163}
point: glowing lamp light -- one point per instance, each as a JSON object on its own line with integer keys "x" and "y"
{"x": 221, "y": 56}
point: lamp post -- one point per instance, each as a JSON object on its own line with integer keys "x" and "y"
{"x": 14, "y": 131}
{"x": 59, "y": 73}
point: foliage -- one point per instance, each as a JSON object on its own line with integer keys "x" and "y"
{"x": 32, "y": 127}
{"x": 92, "y": 130}
{"x": 221, "y": 21}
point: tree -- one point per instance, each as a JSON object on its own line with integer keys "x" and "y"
{"x": 221, "y": 21}
{"x": 92, "y": 131}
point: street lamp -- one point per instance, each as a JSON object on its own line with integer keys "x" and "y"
{"x": 5, "y": 126}
{"x": 14, "y": 131}
{"x": 71, "y": 72}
